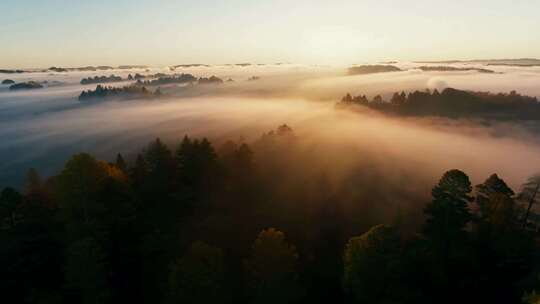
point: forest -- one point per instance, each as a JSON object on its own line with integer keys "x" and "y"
{"x": 101, "y": 79}
{"x": 194, "y": 221}
{"x": 30, "y": 85}
{"x": 452, "y": 103}
{"x": 444, "y": 68}
{"x": 126, "y": 92}
{"x": 372, "y": 69}
{"x": 168, "y": 79}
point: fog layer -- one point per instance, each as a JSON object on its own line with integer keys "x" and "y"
{"x": 42, "y": 128}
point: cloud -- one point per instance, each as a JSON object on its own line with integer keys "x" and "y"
{"x": 437, "y": 83}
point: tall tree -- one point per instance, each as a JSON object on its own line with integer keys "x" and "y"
{"x": 198, "y": 276}
{"x": 161, "y": 167}
{"x": 86, "y": 271}
{"x": 77, "y": 185}
{"x": 271, "y": 269}
{"x": 492, "y": 185}
{"x": 121, "y": 163}
{"x": 448, "y": 213}
{"x": 529, "y": 194}
{"x": 10, "y": 203}
{"x": 139, "y": 172}
{"x": 371, "y": 265}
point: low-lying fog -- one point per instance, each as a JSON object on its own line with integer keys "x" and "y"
{"x": 41, "y": 128}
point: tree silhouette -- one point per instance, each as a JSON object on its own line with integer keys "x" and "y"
{"x": 529, "y": 194}
{"x": 492, "y": 185}
{"x": 448, "y": 212}
{"x": 102, "y": 232}
{"x": 76, "y": 186}
{"x": 271, "y": 269}
{"x": 86, "y": 272}
{"x": 121, "y": 163}
{"x": 198, "y": 276}
{"x": 10, "y": 202}
{"x": 371, "y": 265}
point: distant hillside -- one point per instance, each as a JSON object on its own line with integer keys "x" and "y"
{"x": 444, "y": 68}
{"x": 168, "y": 79}
{"x": 26, "y": 86}
{"x": 11, "y": 71}
{"x": 127, "y": 92}
{"x": 453, "y": 103}
{"x": 523, "y": 62}
{"x": 101, "y": 79}
{"x": 95, "y": 68}
{"x": 210, "y": 80}
{"x": 372, "y": 69}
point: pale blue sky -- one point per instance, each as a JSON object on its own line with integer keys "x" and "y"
{"x": 42, "y": 33}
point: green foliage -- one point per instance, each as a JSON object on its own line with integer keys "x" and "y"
{"x": 371, "y": 263}
{"x": 198, "y": 276}
{"x": 529, "y": 195}
{"x": 448, "y": 213}
{"x": 86, "y": 273}
{"x": 10, "y": 202}
{"x": 453, "y": 103}
{"x": 76, "y": 190}
{"x": 271, "y": 269}
{"x": 492, "y": 185}
{"x": 102, "y": 232}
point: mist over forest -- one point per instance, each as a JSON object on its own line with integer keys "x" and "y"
{"x": 270, "y": 183}
{"x": 43, "y": 127}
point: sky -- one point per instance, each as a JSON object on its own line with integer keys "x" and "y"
{"x": 70, "y": 33}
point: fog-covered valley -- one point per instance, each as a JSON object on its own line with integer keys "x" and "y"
{"x": 41, "y": 128}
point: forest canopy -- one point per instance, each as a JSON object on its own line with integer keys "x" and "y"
{"x": 372, "y": 69}
{"x": 196, "y": 223}
{"x": 126, "y": 92}
{"x": 452, "y": 103}
{"x": 101, "y": 79}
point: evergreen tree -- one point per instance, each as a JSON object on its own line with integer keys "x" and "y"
{"x": 272, "y": 269}
{"x": 121, "y": 163}
{"x": 86, "y": 271}
{"x": 10, "y": 204}
{"x": 529, "y": 195}
{"x": 492, "y": 185}
{"x": 371, "y": 266}
{"x": 448, "y": 213}
{"x": 198, "y": 276}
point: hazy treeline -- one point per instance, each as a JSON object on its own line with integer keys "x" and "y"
{"x": 173, "y": 79}
{"x": 453, "y": 103}
{"x": 101, "y": 79}
{"x": 260, "y": 223}
{"x": 210, "y": 80}
{"x": 372, "y": 69}
{"x": 444, "y": 68}
{"x": 180, "y": 79}
{"x": 126, "y": 92}
{"x": 30, "y": 85}
{"x": 8, "y": 81}
{"x": 96, "y": 68}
